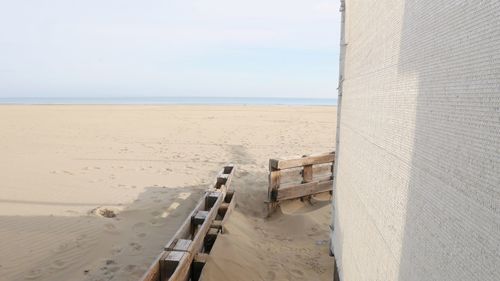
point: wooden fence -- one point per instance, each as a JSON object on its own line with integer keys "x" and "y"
{"x": 184, "y": 256}
{"x": 299, "y": 177}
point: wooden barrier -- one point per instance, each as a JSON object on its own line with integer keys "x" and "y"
{"x": 299, "y": 177}
{"x": 184, "y": 255}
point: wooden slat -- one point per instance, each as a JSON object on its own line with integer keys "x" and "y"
{"x": 182, "y": 245}
{"x": 230, "y": 208}
{"x": 210, "y": 199}
{"x": 210, "y": 239}
{"x": 300, "y": 190}
{"x": 183, "y": 241}
{"x": 181, "y": 271}
{"x": 216, "y": 224}
{"x": 200, "y": 216}
{"x": 223, "y": 209}
{"x": 197, "y": 244}
{"x": 298, "y": 162}
{"x": 222, "y": 179}
{"x": 169, "y": 263}
{"x": 321, "y": 178}
{"x": 307, "y": 173}
{"x": 153, "y": 272}
{"x": 229, "y": 196}
{"x": 230, "y": 174}
{"x": 199, "y": 262}
{"x": 225, "y": 176}
{"x": 274, "y": 180}
{"x": 185, "y": 229}
{"x": 274, "y": 183}
{"x": 295, "y": 174}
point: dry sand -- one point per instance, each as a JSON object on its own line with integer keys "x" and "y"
{"x": 62, "y": 166}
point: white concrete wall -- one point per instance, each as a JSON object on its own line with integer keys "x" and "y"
{"x": 418, "y": 177}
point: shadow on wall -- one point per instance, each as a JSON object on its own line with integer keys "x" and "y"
{"x": 452, "y": 229}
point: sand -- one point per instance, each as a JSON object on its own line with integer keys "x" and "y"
{"x": 94, "y": 192}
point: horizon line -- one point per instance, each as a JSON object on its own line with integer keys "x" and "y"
{"x": 166, "y": 100}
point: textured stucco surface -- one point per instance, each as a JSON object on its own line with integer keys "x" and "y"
{"x": 418, "y": 178}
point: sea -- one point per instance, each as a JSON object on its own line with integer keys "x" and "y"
{"x": 171, "y": 100}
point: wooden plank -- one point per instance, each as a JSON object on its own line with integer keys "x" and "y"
{"x": 185, "y": 229}
{"x": 225, "y": 176}
{"x": 229, "y": 196}
{"x": 274, "y": 181}
{"x": 182, "y": 245}
{"x": 210, "y": 199}
{"x": 205, "y": 218}
{"x": 210, "y": 239}
{"x": 307, "y": 173}
{"x": 273, "y": 164}
{"x": 223, "y": 209}
{"x": 199, "y": 262}
{"x": 216, "y": 224}
{"x": 169, "y": 263}
{"x": 197, "y": 244}
{"x": 181, "y": 263}
{"x": 230, "y": 208}
{"x": 222, "y": 179}
{"x": 201, "y": 258}
{"x": 300, "y": 190}
{"x": 295, "y": 174}
{"x": 153, "y": 272}
{"x": 200, "y": 217}
{"x": 204, "y": 214}
{"x": 321, "y": 178}
{"x": 298, "y": 162}
{"x": 230, "y": 170}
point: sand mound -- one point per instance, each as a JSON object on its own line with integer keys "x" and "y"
{"x": 105, "y": 212}
{"x": 303, "y": 206}
{"x": 282, "y": 247}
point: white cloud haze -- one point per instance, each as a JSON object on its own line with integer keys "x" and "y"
{"x": 169, "y": 48}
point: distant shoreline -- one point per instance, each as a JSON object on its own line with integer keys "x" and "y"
{"x": 168, "y": 101}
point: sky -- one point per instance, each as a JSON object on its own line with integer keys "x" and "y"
{"x": 162, "y": 48}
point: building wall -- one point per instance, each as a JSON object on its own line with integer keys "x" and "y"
{"x": 417, "y": 192}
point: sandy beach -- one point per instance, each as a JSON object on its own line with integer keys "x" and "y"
{"x": 94, "y": 192}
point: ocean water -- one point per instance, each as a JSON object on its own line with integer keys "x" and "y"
{"x": 173, "y": 100}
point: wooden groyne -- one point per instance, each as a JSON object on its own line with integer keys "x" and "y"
{"x": 299, "y": 177}
{"x": 184, "y": 256}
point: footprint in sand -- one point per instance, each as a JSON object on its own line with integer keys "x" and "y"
{"x": 141, "y": 235}
{"x": 156, "y": 222}
{"x": 116, "y": 250}
{"x": 271, "y": 275}
{"x": 155, "y": 213}
{"x": 135, "y": 246}
{"x": 58, "y": 264}
{"x": 62, "y": 248}
{"x": 111, "y": 228}
{"x": 139, "y": 225}
{"x": 297, "y": 272}
{"x": 113, "y": 269}
{"x": 130, "y": 267}
{"x": 34, "y": 274}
